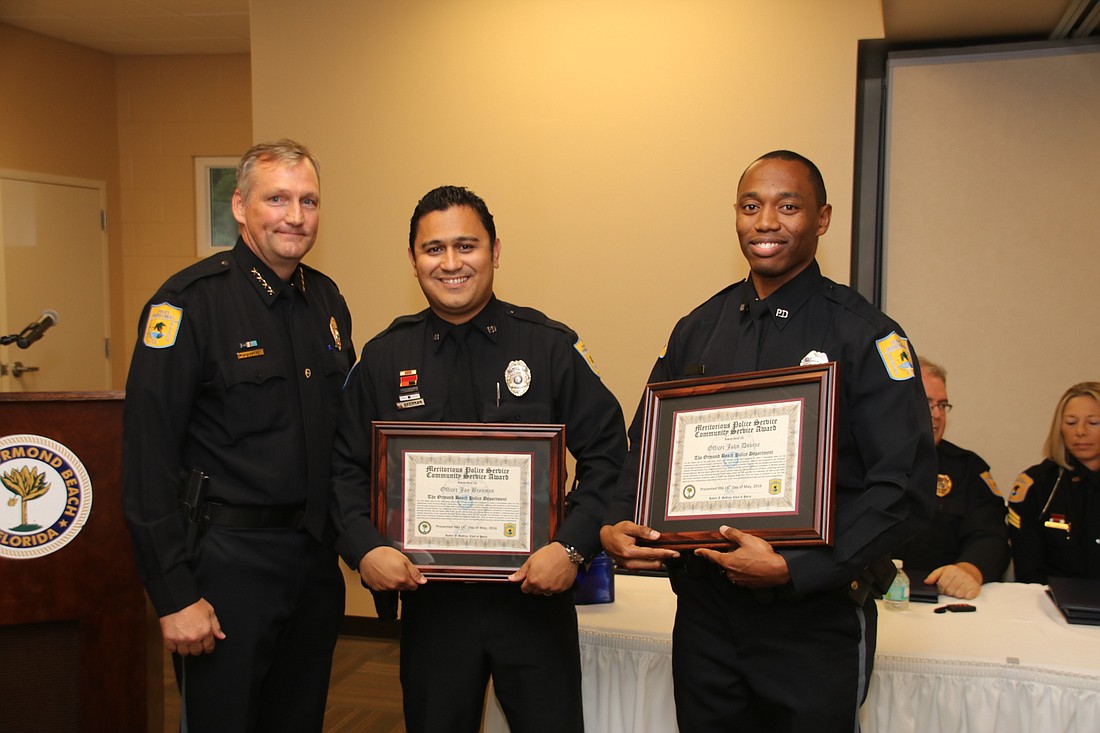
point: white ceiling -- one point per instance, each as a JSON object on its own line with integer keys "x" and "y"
{"x": 165, "y": 27}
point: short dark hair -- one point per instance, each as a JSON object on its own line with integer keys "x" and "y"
{"x": 816, "y": 181}
{"x": 446, "y": 197}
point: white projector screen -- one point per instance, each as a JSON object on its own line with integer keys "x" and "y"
{"x": 991, "y": 234}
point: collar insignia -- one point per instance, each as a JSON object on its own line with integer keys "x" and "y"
{"x": 260, "y": 279}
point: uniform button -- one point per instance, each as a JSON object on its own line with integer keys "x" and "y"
{"x": 309, "y": 372}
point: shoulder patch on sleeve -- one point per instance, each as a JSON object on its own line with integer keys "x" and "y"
{"x": 664, "y": 350}
{"x": 583, "y": 351}
{"x": 162, "y": 326}
{"x": 988, "y": 478}
{"x": 1019, "y": 489}
{"x": 1013, "y": 518}
{"x": 894, "y": 351}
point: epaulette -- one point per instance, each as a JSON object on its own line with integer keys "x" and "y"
{"x": 728, "y": 288}
{"x": 217, "y": 264}
{"x": 531, "y": 315}
{"x": 315, "y": 273}
{"x": 401, "y": 322}
{"x": 950, "y": 449}
{"x": 857, "y": 305}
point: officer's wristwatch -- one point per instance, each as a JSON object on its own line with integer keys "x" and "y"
{"x": 574, "y": 557}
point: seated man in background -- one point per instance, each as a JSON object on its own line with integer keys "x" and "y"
{"x": 967, "y": 542}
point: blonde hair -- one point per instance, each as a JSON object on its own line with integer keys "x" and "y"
{"x": 1055, "y": 446}
{"x": 934, "y": 369}
{"x": 285, "y": 151}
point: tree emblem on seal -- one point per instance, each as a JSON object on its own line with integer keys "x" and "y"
{"x": 27, "y": 484}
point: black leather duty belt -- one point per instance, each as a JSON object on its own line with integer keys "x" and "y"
{"x": 253, "y": 517}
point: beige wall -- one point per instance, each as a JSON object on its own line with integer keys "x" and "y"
{"x": 170, "y": 110}
{"x": 606, "y": 136}
{"x": 134, "y": 122}
{"x": 57, "y": 117}
{"x": 992, "y": 236}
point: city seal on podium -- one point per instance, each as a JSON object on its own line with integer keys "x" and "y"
{"x": 46, "y": 496}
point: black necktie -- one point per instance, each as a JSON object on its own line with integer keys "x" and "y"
{"x": 747, "y": 357}
{"x": 461, "y": 406}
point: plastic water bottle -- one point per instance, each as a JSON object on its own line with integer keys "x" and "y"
{"x": 596, "y": 584}
{"x": 897, "y": 598}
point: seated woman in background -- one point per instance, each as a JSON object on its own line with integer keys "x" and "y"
{"x": 1054, "y": 508}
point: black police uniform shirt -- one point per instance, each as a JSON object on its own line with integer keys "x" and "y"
{"x": 969, "y": 523}
{"x": 885, "y": 459}
{"x": 413, "y": 361}
{"x": 1055, "y": 536}
{"x": 238, "y": 374}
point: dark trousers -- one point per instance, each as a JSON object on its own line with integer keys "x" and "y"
{"x": 279, "y": 596}
{"x": 454, "y": 636}
{"x": 748, "y": 661}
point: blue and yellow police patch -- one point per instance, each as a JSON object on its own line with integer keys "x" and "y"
{"x": 1019, "y": 489}
{"x": 894, "y": 351}
{"x": 583, "y": 351}
{"x": 988, "y": 478}
{"x": 162, "y": 326}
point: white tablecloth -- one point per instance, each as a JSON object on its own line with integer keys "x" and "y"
{"x": 1014, "y": 666}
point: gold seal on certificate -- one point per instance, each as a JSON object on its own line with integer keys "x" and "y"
{"x": 752, "y": 450}
{"x": 468, "y": 501}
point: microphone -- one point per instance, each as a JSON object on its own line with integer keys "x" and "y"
{"x": 33, "y": 332}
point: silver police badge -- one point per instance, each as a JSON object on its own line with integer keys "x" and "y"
{"x": 814, "y": 357}
{"x": 518, "y": 377}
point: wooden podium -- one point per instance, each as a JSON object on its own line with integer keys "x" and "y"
{"x": 74, "y": 633}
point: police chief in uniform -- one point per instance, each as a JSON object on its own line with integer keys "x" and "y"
{"x": 1054, "y": 507}
{"x": 472, "y": 358}
{"x": 967, "y": 543}
{"x": 236, "y": 376}
{"x": 768, "y": 640}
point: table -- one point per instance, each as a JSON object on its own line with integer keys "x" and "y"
{"x": 1014, "y": 666}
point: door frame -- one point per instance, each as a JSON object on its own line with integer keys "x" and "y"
{"x": 55, "y": 180}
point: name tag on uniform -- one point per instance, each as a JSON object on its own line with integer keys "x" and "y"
{"x": 1057, "y": 521}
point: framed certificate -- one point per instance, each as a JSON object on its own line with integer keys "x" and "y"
{"x": 468, "y": 501}
{"x": 754, "y": 451}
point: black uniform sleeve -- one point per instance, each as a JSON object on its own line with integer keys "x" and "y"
{"x": 1026, "y": 501}
{"x": 983, "y": 532}
{"x": 356, "y": 534}
{"x": 624, "y": 498}
{"x": 160, "y": 391}
{"x": 894, "y": 464}
{"x": 596, "y": 437}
